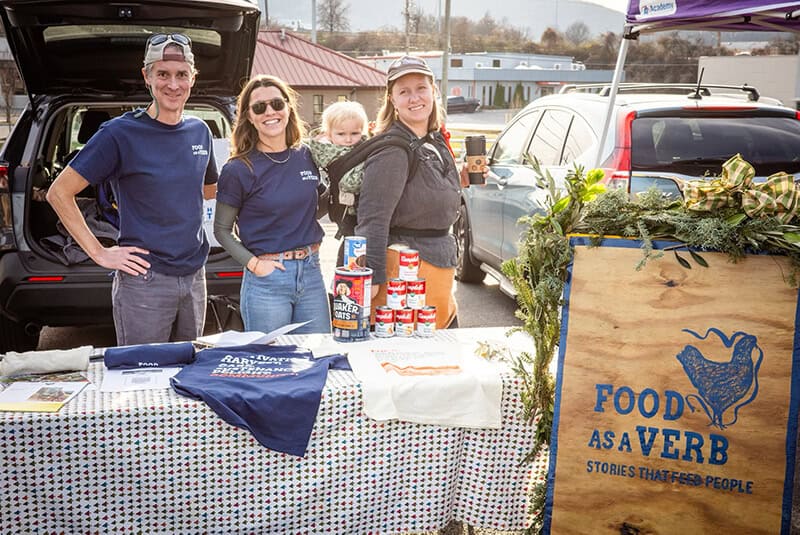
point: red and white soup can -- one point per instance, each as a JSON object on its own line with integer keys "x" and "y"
{"x": 415, "y": 294}
{"x": 384, "y": 322}
{"x": 404, "y": 322}
{"x": 409, "y": 264}
{"x": 396, "y": 294}
{"x": 426, "y": 321}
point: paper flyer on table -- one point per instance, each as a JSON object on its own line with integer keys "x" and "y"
{"x": 237, "y": 338}
{"x": 39, "y": 396}
{"x": 127, "y": 380}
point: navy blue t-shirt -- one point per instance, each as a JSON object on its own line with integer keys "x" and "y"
{"x": 277, "y": 202}
{"x": 272, "y": 391}
{"x": 157, "y": 172}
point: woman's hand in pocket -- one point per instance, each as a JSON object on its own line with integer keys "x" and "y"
{"x": 262, "y": 268}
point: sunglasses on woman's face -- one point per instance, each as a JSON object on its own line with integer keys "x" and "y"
{"x": 277, "y": 104}
{"x": 159, "y": 38}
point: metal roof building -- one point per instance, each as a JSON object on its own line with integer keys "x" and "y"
{"x": 320, "y": 75}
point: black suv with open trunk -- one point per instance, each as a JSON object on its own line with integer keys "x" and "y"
{"x": 81, "y": 61}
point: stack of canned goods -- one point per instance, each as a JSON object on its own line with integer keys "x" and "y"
{"x": 406, "y": 312}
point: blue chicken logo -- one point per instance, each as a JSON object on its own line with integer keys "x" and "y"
{"x": 723, "y": 385}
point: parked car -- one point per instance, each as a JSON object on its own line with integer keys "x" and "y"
{"x": 459, "y": 104}
{"x": 656, "y": 139}
{"x": 81, "y": 62}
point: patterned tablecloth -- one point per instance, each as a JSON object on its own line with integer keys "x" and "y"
{"x": 156, "y": 462}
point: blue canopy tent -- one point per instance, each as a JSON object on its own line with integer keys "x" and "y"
{"x": 646, "y": 16}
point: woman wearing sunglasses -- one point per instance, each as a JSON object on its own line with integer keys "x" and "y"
{"x": 266, "y": 212}
{"x": 416, "y": 211}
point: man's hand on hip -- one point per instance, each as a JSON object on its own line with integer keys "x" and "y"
{"x": 125, "y": 259}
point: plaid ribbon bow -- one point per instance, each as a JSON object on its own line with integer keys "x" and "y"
{"x": 776, "y": 197}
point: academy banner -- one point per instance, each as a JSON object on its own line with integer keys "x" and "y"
{"x": 677, "y": 395}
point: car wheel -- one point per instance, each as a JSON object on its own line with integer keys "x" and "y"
{"x": 14, "y": 337}
{"x": 466, "y": 271}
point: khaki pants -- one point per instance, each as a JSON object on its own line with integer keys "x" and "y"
{"x": 438, "y": 288}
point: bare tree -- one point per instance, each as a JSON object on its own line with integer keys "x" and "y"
{"x": 8, "y": 86}
{"x": 332, "y": 15}
{"x": 577, "y": 33}
{"x": 551, "y": 38}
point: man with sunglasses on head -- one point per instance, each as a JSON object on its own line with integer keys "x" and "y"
{"x": 160, "y": 166}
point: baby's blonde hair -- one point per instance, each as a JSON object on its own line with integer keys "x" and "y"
{"x": 342, "y": 111}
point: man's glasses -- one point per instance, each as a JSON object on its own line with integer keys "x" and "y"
{"x": 277, "y": 104}
{"x": 158, "y": 38}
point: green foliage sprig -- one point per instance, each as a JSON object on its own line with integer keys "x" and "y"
{"x": 538, "y": 275}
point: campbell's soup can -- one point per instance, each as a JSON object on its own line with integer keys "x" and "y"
{"x": 409, "y": 264}
{"x": 415, "y": 294}
{"x": 384, "y": 322}
{"x": 351, "y": 304}
{"x": 426, "y": 321}
{"x": 355, "y": 252}
{"x": 404, "y": 322}
{"x": 396, "y": 294}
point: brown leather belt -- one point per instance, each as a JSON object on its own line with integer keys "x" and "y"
{"x": 300, "y": 253}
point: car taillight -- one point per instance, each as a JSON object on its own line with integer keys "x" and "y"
{"x": 617, "y": 167}
{"x": 53, "y": 278}
{"x": 230, "y": 274}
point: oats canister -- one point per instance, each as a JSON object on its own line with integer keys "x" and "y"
{"x": 351, "y": 304}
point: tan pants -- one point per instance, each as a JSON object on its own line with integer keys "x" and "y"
{"x": 438, "y": 288}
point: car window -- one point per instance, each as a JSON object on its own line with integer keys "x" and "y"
{"x": 213, "y": 118}
{"x": 579, "y": 140}
{"x": 73, "y": 126}
{"x": 508, "y": 148}
{"x": 695, "y": 145}
{"x": 547, "y": 143}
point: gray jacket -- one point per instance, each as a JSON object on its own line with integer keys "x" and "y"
{"x": 428, "y": 200}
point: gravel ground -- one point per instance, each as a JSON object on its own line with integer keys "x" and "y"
{"x": 459, "y": 528}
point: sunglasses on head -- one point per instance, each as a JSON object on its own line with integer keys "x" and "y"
{"x": 158, "y": 38}
{"x": 277, "y": 104}
{"x": 407, "y": 60}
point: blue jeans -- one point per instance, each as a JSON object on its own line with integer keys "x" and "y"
{"x": 283, "y": 297}
{"x": 154, "y": 307}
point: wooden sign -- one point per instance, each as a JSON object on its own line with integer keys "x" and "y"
{"x": 677, "y": 395}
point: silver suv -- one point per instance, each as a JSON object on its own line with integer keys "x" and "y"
{"x": 80, "y": 62}
{"x": 659, "y": 135}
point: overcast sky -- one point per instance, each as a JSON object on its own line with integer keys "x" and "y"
{"x": 533, "y": 16}
{"x": 617, "y": 5}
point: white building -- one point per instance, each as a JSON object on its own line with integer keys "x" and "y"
{"x": 480, "y": 74}
{"x": 773, "y": 76}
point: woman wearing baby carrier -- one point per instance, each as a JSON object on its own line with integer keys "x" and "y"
{"x": 416, "y": 210}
